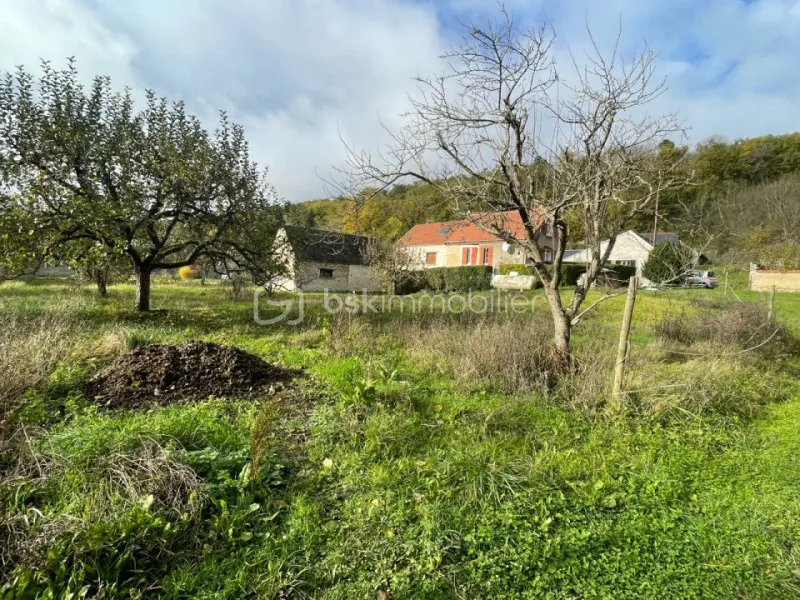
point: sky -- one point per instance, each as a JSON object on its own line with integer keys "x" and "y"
{"x": 303, "y": 75}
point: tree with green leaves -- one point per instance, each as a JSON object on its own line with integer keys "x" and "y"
{"x": 82, "y": 166}
{"x": 668, "y": 264}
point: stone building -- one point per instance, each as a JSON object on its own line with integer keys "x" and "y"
{"x": 318, "y": 260}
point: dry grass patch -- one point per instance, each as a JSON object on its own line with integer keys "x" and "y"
{"x": 741, "y": 325}
{"x": 28, "y": 351}
{"x": 514, "y": 355}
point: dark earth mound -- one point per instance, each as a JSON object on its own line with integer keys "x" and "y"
{"x": 168, "y": 374}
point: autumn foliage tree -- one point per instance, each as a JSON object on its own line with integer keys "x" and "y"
{"x": 152, "y": 185}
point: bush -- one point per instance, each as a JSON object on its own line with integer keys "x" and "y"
{"x": 189, "y": 272}
{"x": 668, "y": 264}
{"x": 409, "y": 282}
{"x": 740, "y": 326}
{"x": 624, "y": 272}
{"x": 434, "y": 280}
{"x": 450, "y": 279}
{"x": 571, "y": 273}
{"x": 520, "y": 269}
{"x": 676, "y": 328}
{"x": 468, "y": 279}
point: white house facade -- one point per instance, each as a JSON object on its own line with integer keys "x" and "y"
{"x": 631, "y": 249}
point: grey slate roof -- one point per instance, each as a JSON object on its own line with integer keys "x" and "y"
{"x": 672, "y": 238}
{"x": 573, "y": 252}
{"x": 327, "y": 246}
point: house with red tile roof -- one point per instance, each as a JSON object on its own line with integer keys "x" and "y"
{"x": 472, "y": 241}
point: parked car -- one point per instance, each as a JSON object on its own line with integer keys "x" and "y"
{"x": 704, "y": 279}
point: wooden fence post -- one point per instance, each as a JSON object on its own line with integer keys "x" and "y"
{"x": 622, "y": 348}
{"x": 726, "y": 283}
{"x": 771, "y": 308}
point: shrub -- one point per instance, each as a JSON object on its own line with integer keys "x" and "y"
{"x": 434, "y": 280}
{"x": 623, "y": 272}
{"x": 468, "y": 279}
{"x": 720, "y": 387}
{"x": 409, "y": 282}
{"x": 668, "y": 264}
{"x": 520, "y": 269}
{"x": 450, "y": 279}
{"x": 189, "y": 272}
{"x": 741, "y": 325}
{"x": 571, "y": 273}
{"x": 676, "y": 328}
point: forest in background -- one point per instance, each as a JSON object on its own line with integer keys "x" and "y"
{"x": 741, "y": 205}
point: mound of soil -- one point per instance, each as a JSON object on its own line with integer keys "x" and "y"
{"x": 168, "y": 374}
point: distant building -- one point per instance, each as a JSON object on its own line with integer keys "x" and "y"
{"x": 470, "y": 242}
{"x": 631, "y": 250}
{"x": 318, "y": 260}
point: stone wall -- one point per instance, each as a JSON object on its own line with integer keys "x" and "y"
{"x": 364, "y": 277}
{"x": 346, "y": 278}
{"x": 784, "y": 281}
{"x": 307, "y": 277}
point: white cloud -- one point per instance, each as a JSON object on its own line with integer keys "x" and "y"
{"x": 298, "y": 72}
{"x": 56, "y": 29}
{"x": 294, "y": 72}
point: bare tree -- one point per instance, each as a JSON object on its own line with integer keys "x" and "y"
{"x": 503, "y": 129}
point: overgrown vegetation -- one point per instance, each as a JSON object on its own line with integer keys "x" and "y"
{"x": 422, "y": 455}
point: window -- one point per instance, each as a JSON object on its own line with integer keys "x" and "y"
{"x": 326, "y": 273}
{"x": 548, "y": 229}
{"x": 487, "y": 256}
{"x": 469, "y": 256}
{"x": 548, "y": 255}
{"x": 430, "y": 258}
{"x": 625, "y": 263}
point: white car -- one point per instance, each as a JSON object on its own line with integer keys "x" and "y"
{"x": 703, "y": 279}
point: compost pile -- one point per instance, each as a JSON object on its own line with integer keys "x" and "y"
{"x": 169, "y": 374}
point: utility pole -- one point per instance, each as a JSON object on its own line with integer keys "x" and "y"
{"x": 655, "y": 221}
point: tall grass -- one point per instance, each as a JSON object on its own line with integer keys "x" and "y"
{"x": 423, "y": 456}
{"x": 29, "y": 348}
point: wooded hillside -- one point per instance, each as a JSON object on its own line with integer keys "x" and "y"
{"x": 742, "y": 203}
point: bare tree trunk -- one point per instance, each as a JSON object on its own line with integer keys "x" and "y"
{"x": 143, "y": 288}
{"x": 101, "y": 279}
{"x": 562, "y": 329}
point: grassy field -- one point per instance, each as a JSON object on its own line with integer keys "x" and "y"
{"x": 420, "y": 455}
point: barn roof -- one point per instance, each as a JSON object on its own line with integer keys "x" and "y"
{"x": 327, "y": 246}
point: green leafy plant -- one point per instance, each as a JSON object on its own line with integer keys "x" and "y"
{"x": 520, "y": 269}
{"x": 467, "y": 279}
{"x": 668, "y": 264}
